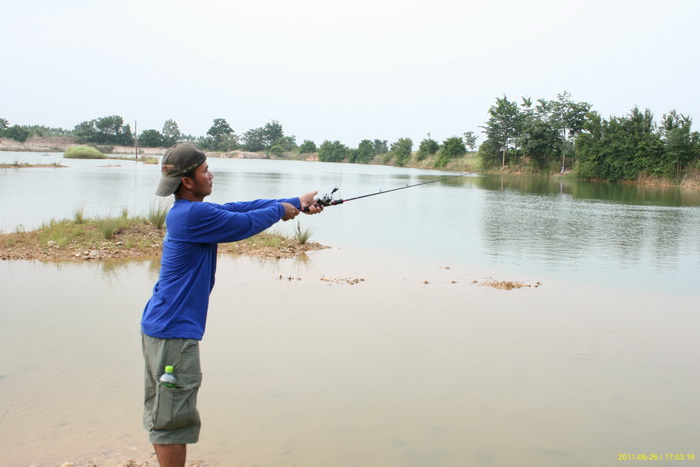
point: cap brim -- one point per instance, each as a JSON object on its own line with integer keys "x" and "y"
{"x": 168, "y": 185}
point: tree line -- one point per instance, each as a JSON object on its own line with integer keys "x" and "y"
{"x": 543, "y": 136}
{"x": 564, "y": 134}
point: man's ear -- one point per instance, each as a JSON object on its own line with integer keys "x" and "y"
{"x": 187, "y": 182}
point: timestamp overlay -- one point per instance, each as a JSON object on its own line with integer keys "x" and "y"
{"x": 665, "y": 457}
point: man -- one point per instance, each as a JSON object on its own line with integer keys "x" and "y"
{"x": 174, "y": 318}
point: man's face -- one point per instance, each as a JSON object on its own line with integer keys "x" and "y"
{"x": 202, "y": 181}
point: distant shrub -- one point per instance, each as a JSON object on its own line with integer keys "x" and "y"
{"x": 83, "y": 152}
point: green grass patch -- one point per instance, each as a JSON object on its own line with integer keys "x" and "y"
{"x": 265, "y": 240}
{"x": 83, "y": 152}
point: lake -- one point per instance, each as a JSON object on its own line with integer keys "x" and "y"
{"x": 387, "y": 349}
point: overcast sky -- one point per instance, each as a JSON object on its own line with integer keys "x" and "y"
{"x": 329, "y": 70}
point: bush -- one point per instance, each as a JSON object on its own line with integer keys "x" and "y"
{"x": 402, "y": 150}
{"x": 307, "y": 147}
{"x": 428, "y": 147}
{"x": 452, "y": 148}
{"x": 83, "y": 152}
{"x": 276, "y": 150}
{"x": 332, "y": 151}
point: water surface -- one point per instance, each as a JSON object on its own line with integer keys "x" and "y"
{"x": 417, "y": 364}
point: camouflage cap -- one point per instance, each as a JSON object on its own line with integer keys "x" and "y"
{"x": 178, "y": 161}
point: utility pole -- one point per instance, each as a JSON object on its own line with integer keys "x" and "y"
{"x": 136, "y": 140}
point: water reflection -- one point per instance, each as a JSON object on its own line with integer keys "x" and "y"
{"x": 581, "y": 189}
{"x": 570, "y": 234}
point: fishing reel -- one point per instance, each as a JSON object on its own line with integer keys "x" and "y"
{"x": 327, "y": 199}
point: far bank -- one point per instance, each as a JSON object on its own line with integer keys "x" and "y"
{"x": 471, "y": 162}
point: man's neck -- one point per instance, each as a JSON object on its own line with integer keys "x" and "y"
{"x": 188, "y": 196}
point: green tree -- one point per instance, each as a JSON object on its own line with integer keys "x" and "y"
{"x": 105, "y": 130}
{"x": 364, "y": 153}
{"x": 86, "y": 132}
{"x": 332, "y": 151}
{"x": 470, "y": 140}
{"x": 272, "y": 132}
{"x": 287, "y": 143}
{"x": 622, "y": 148}
{"x": 219, "y": 129}
{"x": 401, "y": 150}
{"x": 427, "y": 148}
{"x": 569, "y": 117}
{"x": 503, "y": 126}
{"x": 4, "y": 124}
{"x": 681, "y": 145}
{"x": 171, "y": 133}
{"x": 541, "y": 142}
{"x": 16, "y": 133}
{"x": 150, "y": 139}
{"x": 254, "y": 140}
{"x": 228, "y": 143}
{"x": 109, "y": 129}
{"x": 452, "y": 148}
{"x": 112, "y": 130}
{"x": 489, "y": 153}
{"x": 591, "y": 148}
{"x": 307, "y": 147}
{"x": 380, "y": 147}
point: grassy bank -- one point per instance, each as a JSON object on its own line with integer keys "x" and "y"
{"x": 127, "y": 237}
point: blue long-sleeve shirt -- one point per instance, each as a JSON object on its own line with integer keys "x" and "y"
{"x": 178, "y": 307}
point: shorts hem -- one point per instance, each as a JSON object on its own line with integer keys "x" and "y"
{"x": 187, "y": 435}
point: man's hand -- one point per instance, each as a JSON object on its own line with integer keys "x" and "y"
{"x": 308, "y": 203}
{"x": 290, "y": 211}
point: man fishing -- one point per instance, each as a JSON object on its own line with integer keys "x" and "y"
{"x": 174, "y": 318}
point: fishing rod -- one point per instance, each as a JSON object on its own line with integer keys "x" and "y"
{"x": 328, "y": 200}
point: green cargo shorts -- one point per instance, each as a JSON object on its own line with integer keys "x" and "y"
{"x": 170, "y": 415}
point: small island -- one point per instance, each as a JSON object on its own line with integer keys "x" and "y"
{"x": 128, "y": 238}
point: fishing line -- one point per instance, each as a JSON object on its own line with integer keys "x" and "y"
{"x": 328, "y": 200}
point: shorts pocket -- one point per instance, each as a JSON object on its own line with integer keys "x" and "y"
{"x": 177, "y": 408}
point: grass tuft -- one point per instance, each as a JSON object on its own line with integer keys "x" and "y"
{"x": 302, "y": 235}
{"x": 79, "y": 215}
{"x": 157, "y": 213}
